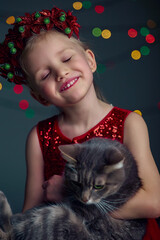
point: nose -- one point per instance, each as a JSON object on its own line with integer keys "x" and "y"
{"x": 85, "y": 195}
{"x": 61, "y": 73}
{"x": 84, "y": 199}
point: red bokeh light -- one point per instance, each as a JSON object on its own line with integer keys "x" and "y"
{"x": 150, "y": 38}
{"x": 23, "y": 104}
{"x": 99, "y": 9}
{"x": 18, "y": 89}
{"x": 132, "y": 33}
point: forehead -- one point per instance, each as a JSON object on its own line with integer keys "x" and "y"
{"x": 55, "y": 41}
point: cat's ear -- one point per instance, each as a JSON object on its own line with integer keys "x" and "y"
{"x": 114, "y": 159}
{"x": 69, "y": 152}
{"x": 113, "y": 155}
{"x": 115, "y": 166}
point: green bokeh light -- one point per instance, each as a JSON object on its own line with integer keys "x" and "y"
{"x": 29, "y": 113}
{"x": 145, "y": 50}
{"x": 144, "y": 31}
{"x": 96, "y": 32}
{"x": 87, "y": 4}
{"x": 101, "y": 68}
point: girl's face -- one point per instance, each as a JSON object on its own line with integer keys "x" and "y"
{"x": 60, "y": 69}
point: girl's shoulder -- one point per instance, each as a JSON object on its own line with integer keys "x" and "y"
{"x": 135, "y": 130}
{"x": 131, "y": 118}
{"x": 134, "y": 121}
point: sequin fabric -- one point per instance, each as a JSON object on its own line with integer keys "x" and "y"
{"x": 50, "y": 137}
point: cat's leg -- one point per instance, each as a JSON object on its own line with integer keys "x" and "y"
{"x": 5, "y": 213}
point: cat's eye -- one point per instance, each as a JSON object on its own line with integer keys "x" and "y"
{"x": 98, "y": 187}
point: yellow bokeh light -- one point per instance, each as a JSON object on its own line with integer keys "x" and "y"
{"x": 138, "y": 112}
{"x": 0, "y": 86}
{"x": 10, "y": 20}
{"x": 106, "y": 33}
{"x": 77, "y": 5}
{"x": 136, "y": 54}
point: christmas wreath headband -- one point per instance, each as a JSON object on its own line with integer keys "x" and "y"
{"x": 24, "y": 28}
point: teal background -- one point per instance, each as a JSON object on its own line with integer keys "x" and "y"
{"x": 126, "y": 83}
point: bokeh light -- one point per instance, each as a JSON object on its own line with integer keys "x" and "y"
{"x": 145, "y": 50}
{"x": 136, "y": 55}
{"x": 29, "y": 113}
{"x": 138, "y": 112}
{"x": 101, "y": 68}
{"x": 99, "y": 9}
{"x": 23, "y": 104}
{"x": 159, "y": 105}
{"x": 77, "y": 5}
{"x": 110, "y": 64}
{"x": 151, "y": 24}
{"x": 96, "y": 32}
{"x": 10, "y": 20}
{"x": 0, "y": 86}
{"x": 18, "y": 89}
{"x": 87, "y": 4}
{"x": 132, "y": 33}
{"x": 144, "y": 31}
{"x": 106, "y": 33}
{"x": 150, "y": 38}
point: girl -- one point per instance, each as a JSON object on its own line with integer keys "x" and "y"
{"x": 59, "y": 69}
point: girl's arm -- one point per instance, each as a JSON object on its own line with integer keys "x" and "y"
{"x": 146, "y": 203}
{"x": 35, "y": 169}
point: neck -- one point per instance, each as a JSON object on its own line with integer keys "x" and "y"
{"x": 83, "y": 115}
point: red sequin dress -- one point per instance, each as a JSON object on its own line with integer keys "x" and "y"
{"x": 111, "y": 126}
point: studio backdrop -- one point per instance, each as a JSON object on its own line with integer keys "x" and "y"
{"x": 125, "y": 37}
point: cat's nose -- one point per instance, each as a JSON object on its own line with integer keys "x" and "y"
{"x": 85, "y": 199}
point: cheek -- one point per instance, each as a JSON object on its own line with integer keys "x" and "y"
{"x": 46, "y": 90}
{"x": 96, "y": 196}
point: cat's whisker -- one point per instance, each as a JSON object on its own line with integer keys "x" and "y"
{"x": 114, "y": 201}
{"x": 113, "y": 209}
{"x": 101, "y": 208}
{"x": 108, "y": 206}
{"x": 106, "y": 203}
{"x": 105, "y": 206}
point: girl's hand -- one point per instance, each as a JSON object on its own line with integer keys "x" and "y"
{"x": 53, "y": 188}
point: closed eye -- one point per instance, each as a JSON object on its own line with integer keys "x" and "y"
{"x": 45, "y": 76}
{"x": 67, "y": 60}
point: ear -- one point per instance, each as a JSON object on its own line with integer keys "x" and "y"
{"x": 113, "y": 167}
{"x": 39, "y": 98}
{"x": 91, "y": 60}
{"x": 69, "y": 152}
{"x": 114, "y": 159}
{"x": 113, "y": 155}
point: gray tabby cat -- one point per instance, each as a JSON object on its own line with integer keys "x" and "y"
{"x": 100, "y": 176}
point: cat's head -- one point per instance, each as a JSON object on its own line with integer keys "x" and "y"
{"x": 94, "y": 169}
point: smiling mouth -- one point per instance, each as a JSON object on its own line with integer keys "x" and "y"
{"x": 68, "y": 84}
